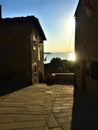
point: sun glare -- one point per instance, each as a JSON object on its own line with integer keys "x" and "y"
{"x": 72, "y": 57}
{"x": 71, "y": 23}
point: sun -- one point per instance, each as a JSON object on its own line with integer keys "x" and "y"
{"x": 72, "y": 57}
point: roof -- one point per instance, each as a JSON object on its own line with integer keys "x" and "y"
{"x": 32, "y": 20}
{"x": 77, "y": 8}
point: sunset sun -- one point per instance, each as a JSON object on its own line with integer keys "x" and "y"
{"x": 72, "y": 57}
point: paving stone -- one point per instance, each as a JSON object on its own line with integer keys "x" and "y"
{"x": 6, "y": 119}
{"x": 58, "y": 128}
{"x": 11, "y": 104}
{"x": 15, "y": 125}
{"x": 63, "y": 119}
{"x": 6, "y": 110}
{"x": 51, "y": 121}
{"x": 59, "y": 114}
{"x": 36, "y": 128}
{"x": 27, "y": 118}
{"x": 39, "y": 123}
{"x": 66, "y": 126}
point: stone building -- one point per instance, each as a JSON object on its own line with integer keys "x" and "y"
{"x": 86, "y": 46}
{"x": 21, "y": 51}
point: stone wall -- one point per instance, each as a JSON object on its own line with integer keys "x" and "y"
{"x": 86, "y": 46}
{"x": 37, "y": 57}
{"x": 15, "y": 55}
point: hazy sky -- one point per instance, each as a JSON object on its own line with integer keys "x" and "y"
{"x": 56, "y": 18}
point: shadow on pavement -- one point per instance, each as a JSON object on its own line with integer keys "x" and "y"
{"x": 6, "y": 88}
{"x": 53, "y": 81}
{"x": 85, "y": 112}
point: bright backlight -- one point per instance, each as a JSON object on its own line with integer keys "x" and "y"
{"x": 71, "y": 23}
{"x": 72, "y": 57}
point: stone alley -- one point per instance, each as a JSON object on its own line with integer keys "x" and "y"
{"x": 42, "y": 107}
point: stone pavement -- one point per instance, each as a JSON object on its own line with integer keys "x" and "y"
{"x": 42, "y": 107}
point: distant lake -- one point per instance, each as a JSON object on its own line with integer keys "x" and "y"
{"x": 63, "y": 55}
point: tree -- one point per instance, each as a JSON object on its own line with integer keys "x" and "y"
{"x": 56, "y": 64}
{"x": 65, "y": 65}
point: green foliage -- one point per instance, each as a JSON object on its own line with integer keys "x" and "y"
{"x": 58, "y": 65}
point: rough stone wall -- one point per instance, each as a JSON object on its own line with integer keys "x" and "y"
{"x": 15, "y": 54}
{"x": 86, "y": 44}
{"x": 37, "y": 57}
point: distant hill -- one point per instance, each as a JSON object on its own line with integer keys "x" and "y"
{"x": 47, "y": 53}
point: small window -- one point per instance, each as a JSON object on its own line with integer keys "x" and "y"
{"x": 35, "y": 68}
{"x": 34, "y": 47}
{"x": 94, "y": 69}
{"x": 38, "y": 53}
{"x": 34, "y": 37}
{"x": 34, "y": 41}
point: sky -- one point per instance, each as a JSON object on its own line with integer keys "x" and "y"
{"x": 56, "y": 18}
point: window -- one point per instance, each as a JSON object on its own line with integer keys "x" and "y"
{"x": 34, "y": 38}
{"x": 94, "y": 69}
{"x": 35, "y": 67}
{"x": 34, "y": 47}
{"x": 38, "y": 53}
